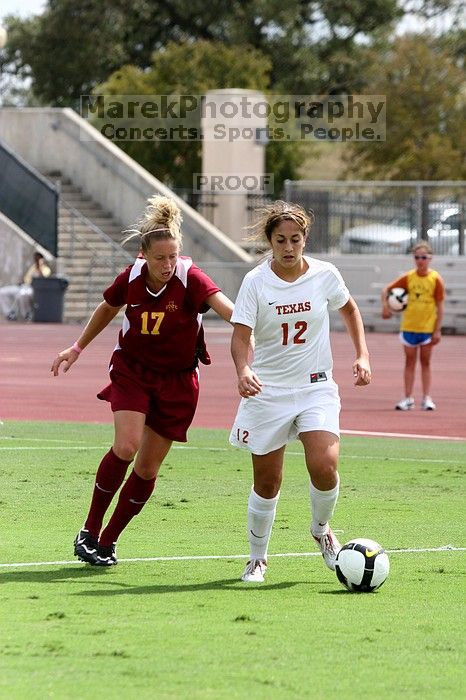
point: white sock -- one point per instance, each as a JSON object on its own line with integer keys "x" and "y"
{"x": 322, "y": 506}
{"x": 261, "y": 514}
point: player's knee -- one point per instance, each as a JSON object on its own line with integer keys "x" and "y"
{"x": 126, "y": 449}
{"x": 325, "y": 474}
{"x": 147, "y": 471}
{"x": 267, "y": 488}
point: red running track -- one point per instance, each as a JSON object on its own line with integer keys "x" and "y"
{"x": 28, "y": 390}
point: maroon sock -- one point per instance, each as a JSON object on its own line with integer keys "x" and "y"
{"x": 133, "y": 497}
{"x": 109, "y": 478}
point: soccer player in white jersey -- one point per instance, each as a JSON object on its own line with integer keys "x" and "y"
{"x": 288, "y": 391}
{"x": 154, "y": 376}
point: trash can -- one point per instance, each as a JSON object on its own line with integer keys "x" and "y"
{"x": 49, "y": 293}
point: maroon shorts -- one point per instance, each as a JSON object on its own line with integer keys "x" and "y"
{"x": 168, "y": 399}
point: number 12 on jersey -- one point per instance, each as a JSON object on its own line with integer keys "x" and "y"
{"x": 287, "y": 338}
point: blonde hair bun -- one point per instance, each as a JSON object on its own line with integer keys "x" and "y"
{"x": 161, "y": 212}
{"x": 161, "y": 221}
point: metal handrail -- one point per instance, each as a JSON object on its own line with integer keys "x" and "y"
{"x": 102, "y": 235}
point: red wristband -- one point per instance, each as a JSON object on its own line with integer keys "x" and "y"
{"x": 76, "y": 348}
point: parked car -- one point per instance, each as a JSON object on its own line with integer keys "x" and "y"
{"x": 394, "y": 237}
{"x": 444, "y": 233}
{"x": 398, "y": 237}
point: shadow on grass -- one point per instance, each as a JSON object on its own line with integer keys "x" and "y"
{"x": 54, "y": 576}
{"x": 232, "y": 584}
{"x": 85, "y": 574}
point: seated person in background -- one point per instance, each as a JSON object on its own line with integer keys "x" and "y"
{"x": 16, "y": 300}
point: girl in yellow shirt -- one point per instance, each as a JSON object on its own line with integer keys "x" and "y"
{"x": 421, "y": 322}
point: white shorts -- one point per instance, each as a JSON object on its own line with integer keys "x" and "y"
{"x": 278, "y": 415}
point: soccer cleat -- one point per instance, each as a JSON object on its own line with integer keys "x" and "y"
{"x": 254, "y": 571}
{"x": 106, "y": 555}
{"x": 329, "y": 546}
{"x": 428, "y": 404}
{"x": 85, "y": 546}
{"x": 405, "y": 404}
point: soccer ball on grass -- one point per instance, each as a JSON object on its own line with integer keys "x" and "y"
{"x": 362, "y": 565}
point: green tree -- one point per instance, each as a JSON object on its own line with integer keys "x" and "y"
{"x": 314, "y": 46}
{"x": 193, "y": 69}
{"x": 184, "y": 69}
{"x": 66, "y": 50}
{"x": 426, "y": 110}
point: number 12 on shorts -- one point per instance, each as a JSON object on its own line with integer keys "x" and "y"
{"x": 242, "y": 435}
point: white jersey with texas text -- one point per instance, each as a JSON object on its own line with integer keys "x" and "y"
{"x": 290, "y": 322}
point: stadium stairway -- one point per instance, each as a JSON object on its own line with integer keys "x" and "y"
{"x": 90, "y": 254}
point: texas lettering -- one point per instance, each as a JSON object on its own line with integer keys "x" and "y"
{"x": 299, "y": 307}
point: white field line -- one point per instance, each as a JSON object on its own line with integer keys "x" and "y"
{"x": 84, "y": 446}
{"x": 416, "y": 436}
{"x": 443, "y": 548}
{"x": 362, "y": 433}
{"x": 29, "y": 439}
{"x": 53, "y": 448}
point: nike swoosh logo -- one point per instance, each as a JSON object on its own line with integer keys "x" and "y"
{"x": 271, "y": 303}
{"x": 372, "y": 552}
{"x": 259, "y": 537}
{"x": 101, "y": 489}
{"x": 133, "y": 305}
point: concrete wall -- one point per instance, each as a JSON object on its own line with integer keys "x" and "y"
{"x": 16, "y": 252}
{"x": 231, "y": 158}
{"x": 58, "y": 140}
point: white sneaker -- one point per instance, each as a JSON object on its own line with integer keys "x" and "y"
{"x": 255, "y": 571}
{"x": 405, "y": 404}
{"x": 329, "y": 546}
{"x": 428, "y": 404}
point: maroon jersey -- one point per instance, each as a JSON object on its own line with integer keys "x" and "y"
{"x": 162, "y": 331}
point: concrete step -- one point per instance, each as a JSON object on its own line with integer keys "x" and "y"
{"x": 86, "y": 258}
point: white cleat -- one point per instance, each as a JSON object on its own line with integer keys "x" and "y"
{"x": 428, "y": 404}
{"x": 329, "y": 546}
{"x": 405, "y": 404}
{"x": 255, "y": 571}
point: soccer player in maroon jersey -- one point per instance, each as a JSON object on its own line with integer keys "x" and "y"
{"x": 154, "y": 383}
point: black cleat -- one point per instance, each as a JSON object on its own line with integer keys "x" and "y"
{"x": 106, "y": 555}
{"x": 85, "y": 547}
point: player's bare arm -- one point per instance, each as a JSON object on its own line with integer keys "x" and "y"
{"x": 386, "y": 311}
{"x": 353, "y": 321}
{"x": 249, "y": 383}
{"x": 437, "y": 334}
{"x": 221, "y": 304}
{"x": 99, "y": 320}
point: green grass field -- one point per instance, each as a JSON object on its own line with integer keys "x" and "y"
{"x": 189, "y": 628}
